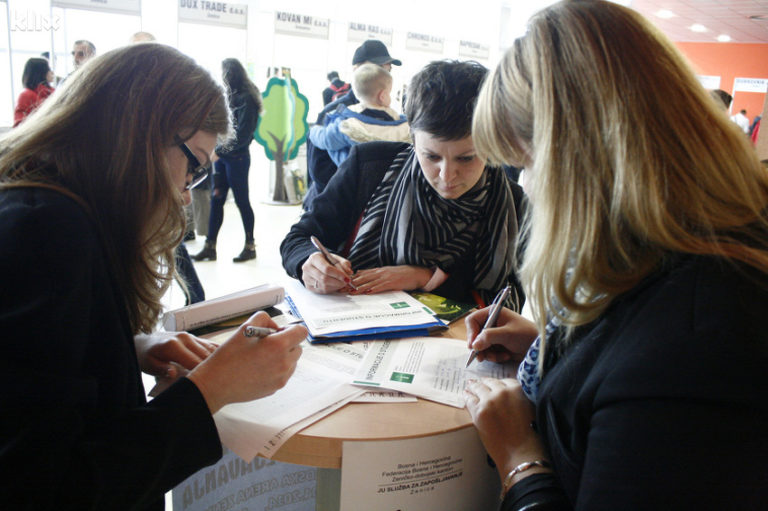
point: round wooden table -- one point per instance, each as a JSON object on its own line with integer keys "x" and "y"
{"x": 320, "y": 444}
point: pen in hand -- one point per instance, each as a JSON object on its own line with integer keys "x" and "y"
{"x": 493, "y": 316}
{"x": 258, "y": 331}
{"x": 329, "y": 257}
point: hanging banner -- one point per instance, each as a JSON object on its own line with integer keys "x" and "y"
{"x": 299, "y": 25}
{"x": 424, "y": 42}
{"x": 750, "y": 85}
{"x": 214, "y": 13}
{"x": 116, "y": 6}
{"x": 474, "y": 50}
{"x": 709, "y": 82}
{"x": 359, "y": 32}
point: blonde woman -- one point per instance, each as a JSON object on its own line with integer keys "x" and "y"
{"x": 647, "y": 268}
{"x": 91, "y": 195}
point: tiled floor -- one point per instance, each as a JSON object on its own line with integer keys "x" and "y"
{"x": 272, "y": 223}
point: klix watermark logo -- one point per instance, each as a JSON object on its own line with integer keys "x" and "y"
{"x": 31, "y": 21}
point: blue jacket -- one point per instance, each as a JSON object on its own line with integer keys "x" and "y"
{"x": 347, "y": 126}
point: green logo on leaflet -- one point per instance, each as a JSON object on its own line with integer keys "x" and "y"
{"x": 399, "y": 305}
{"x": 402, "y": 377}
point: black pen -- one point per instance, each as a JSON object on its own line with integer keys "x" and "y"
{"x": 496, "y": 306}
{"x": 329, "y": 257}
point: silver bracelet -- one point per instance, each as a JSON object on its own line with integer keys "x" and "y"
{"x": 522, "y": 467}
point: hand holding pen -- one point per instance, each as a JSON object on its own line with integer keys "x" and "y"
{"x": 506, "y": 339}
{"x": 314, "y": 276}
{"x": 493, "y": 316}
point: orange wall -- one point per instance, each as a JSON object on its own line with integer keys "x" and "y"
{"x": 730, "y": 61}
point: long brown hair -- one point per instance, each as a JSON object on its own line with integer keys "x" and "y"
{"x": 629, "y": 159}
{"x": 102, "y": 139}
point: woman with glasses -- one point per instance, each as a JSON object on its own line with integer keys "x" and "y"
{"x": 234, "y": 162}
{"x": 36, "y": 78}
{"x": 646, "y": 261}
{"x": 91, "y": 195}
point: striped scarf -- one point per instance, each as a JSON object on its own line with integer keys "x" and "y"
{"x": 406, "y": 222}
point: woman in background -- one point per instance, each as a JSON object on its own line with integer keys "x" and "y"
{"x": 234, "y": 161}
{"x": 91, "y": 194}
{"x": 36, "y": 78}
{"x": 646, "y": 263}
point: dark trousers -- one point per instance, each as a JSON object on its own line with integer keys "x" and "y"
{"x": 231, "y": 172}
{"x": 186, "y": 271}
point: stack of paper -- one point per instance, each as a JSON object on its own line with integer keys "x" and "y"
{"x": 338, "y": 317}
{"x": 222, "y": 308}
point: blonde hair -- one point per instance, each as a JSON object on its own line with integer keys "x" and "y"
{"x": 102, "y": 139}
{"x": 627, "y": 156}
{"x": 370, "y": 79}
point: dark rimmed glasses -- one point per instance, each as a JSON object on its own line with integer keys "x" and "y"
{"x": 197, "y": 170}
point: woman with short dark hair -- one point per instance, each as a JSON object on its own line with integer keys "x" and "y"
{"x": 36, "y": 79}
{"x": 424, "y": 216}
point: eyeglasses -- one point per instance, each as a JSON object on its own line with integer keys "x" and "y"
{"x": 79, "y": 53}
{"x": 197, "y": 170}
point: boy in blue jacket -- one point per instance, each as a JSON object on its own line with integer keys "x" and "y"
{"x": 370, "y": 120}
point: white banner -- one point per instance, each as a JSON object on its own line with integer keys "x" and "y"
{"x": 709, "y": 82}
{"x": 117, "y": 6}
{"x": 360, "y": 32}
{"x": 449, "y": 472}
{"x": 214, "y": 13}
{"x": 474, "y": 50}
{"x": 299, "y": 25}
{"x": 424, "y": 42}
{"x": 750, "y": 85}
{"x": 234, "y": 484}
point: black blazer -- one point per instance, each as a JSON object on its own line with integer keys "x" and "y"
{"x": 661, "y": 402}
{"x": 75, "y": 429}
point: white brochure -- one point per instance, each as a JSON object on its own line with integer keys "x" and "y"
{"x": 345, "y": 316}
{"x": 318, "y": 387}
{"x": 427, "y": 367}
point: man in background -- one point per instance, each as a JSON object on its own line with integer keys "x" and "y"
{"x": 82, "y": 51}
{"x": 336, "y": 88}
{"x": 742, "y": 120}
{"x": 320, "y": 167}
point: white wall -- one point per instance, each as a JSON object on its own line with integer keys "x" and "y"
{"x": 493, "y": 23}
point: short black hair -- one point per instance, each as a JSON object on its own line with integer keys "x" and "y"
{"x": 35, "y": 72}
{"x": 722, "y": 96}
{"x": 442, "y": 97}
{"x": 332, "y": 76}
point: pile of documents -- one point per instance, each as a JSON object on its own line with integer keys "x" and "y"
{"x": 395, "y": 366}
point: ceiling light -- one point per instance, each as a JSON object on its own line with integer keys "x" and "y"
{"x": 724, "y": 38}
{"x": 696, "y": 27}
{"x": 665, "y": 14}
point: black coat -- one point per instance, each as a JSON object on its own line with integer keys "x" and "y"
{"x": 661, "y": 402}
{"x": 336, "y": 211}
{"x": 75, "y": 429}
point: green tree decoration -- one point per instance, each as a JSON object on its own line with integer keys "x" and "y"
{"x": 282, "y": 126}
